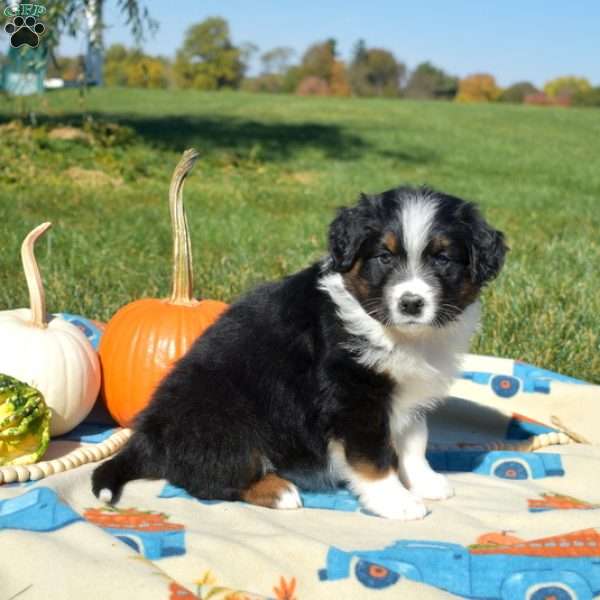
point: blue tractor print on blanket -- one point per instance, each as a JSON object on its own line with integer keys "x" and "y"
{"x": 526, "y": 378}
{"x": 565, "y": 567}
{"x": 37, "y": 510}
{"x": 41, "y": 510}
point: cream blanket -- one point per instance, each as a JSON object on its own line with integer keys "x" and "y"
{"x": 523, "y": 524}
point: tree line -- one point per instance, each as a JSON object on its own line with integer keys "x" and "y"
{"x": 209, "y": 60}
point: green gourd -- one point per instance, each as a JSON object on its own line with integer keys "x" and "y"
{"x": 24, "y": 423}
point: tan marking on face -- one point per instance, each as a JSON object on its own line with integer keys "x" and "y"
{"x": 391, "y": 242}
{"x": 355, "y": 283}
{"x": 439, "y": 243}
{"x": 468, "y": 292}
{"x": 267, "y": 491}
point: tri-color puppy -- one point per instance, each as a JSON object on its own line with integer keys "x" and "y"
{"x": 325, "y": 377}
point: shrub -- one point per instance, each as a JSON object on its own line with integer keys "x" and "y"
{"x": 313, "y": 86}
{"x": 428, "y": 82}
{"x": 542, "y": 99}
{"x": 480, "y": 87}
{"x": 589, "y": 98}
{"x": 566, "y": 86}
{"x": 146, "y": 72}
{"x": 516, "y": 93}
{"x": 291, "y": 79}
{"x": 269, "y": 83}
{"x": 339, "y": 85}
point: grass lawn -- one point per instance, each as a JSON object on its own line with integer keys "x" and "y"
{"x": 273, "y": 170}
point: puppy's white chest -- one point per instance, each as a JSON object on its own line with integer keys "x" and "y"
{"x": 421, "y": 378}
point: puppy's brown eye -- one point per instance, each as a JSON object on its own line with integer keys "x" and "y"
{"x": 385, "y": 258}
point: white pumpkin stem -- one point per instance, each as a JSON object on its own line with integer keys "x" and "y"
{"x": 183, "y": 275}
{"x": 37, "y": 297}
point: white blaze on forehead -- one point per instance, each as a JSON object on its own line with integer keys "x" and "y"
{"x": 417, "y": 216}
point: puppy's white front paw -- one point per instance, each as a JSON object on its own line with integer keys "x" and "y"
{"x": 289, "y": 498}
{"x": 403, "y": 506}
{"x": 431, "y": 486}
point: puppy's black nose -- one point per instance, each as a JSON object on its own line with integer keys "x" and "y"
{"x": 411, "y": 304}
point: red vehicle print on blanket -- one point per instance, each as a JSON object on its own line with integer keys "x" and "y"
{"x": 146, "y": 532}
{"x": 551, "y": 501}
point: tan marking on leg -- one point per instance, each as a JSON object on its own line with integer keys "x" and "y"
{"x": 268, "y": 491}
{"x": 369, "y": 471}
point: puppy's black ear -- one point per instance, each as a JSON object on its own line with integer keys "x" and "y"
{"x": 347, "y": 232}
{"x": 487, "y": 251}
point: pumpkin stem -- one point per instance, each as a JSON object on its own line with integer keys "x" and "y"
{"x": 37, "y": 297}
{"x": 183, "y": 275}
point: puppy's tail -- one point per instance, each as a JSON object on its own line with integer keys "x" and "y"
{"x": 109, "y": 478}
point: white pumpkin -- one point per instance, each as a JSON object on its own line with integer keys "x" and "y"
{"x": 55, "y": 357}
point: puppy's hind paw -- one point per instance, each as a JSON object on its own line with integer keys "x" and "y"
{"x": 273, "y": 491}
{"x": 289, "y": 498}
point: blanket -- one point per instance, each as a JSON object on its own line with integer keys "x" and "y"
{"x": 521, "y": 446}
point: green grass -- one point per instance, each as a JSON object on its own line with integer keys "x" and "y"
{"x": 273, "y": 170}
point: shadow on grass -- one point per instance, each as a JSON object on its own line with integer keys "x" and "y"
{"x": 259, "y": 140}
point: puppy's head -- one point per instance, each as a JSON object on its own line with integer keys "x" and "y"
{"x": 414, "y": 257}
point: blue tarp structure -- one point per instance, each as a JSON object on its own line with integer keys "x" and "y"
{"x": 25, "y": 70}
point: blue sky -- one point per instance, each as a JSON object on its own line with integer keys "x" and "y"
{"x": 514, "y": 40}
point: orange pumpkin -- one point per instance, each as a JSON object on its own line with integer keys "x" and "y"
{"x": 143, "y": 339}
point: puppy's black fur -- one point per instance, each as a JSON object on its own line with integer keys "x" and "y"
{"x": 272, "y": 383}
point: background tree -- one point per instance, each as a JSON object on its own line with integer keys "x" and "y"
{"x": 70, "y": 17}
{"x": 589, "y": 98}
{"x": 272, "y": 78}
{"x": 147, "y": 72}
{"x": 428, "y": 82}
{"x": 480, "y": 87}
{"x": 291, "y": 79}
{"x": 566, "y": 86}
{"x": 277, "y": 60}
{"x": 67, "y": 17}
{"x": 320, "y": 73}
{"x": 318, "y": 60}
{"x": 339, "y": 84}
{"x": 115, "y": 61}
{"x": 247, "y": 52}
{"x": 208, "y": 59}
{"x": 133, "y": 68}
{"x": 68, "y": 68}
{"x": 375, "y": 72}
{"x": 517, "y": 92}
